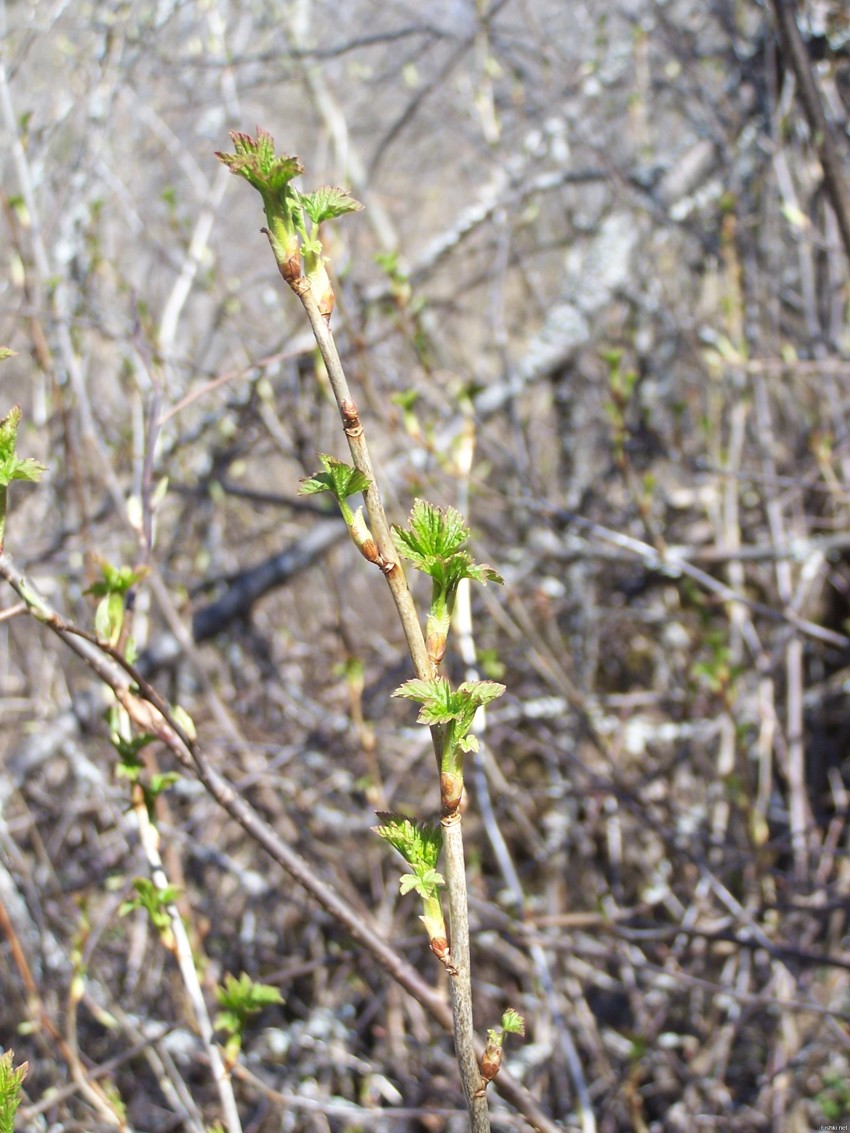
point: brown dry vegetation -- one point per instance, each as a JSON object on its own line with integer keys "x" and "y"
{"x": 657, "y": 827}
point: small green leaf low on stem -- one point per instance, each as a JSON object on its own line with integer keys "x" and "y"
{"x": 155, "y": 902}
{"x": 328, "y": 203}
{"x": 338, "y": 478}
{"x": 130, "y": 765}
{"x": 491, "y": 1062}
{"x": 419, "y": 843}
{"x": 112, "y": 589}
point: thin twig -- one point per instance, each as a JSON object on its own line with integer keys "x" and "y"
{"x": 834, "y": 175}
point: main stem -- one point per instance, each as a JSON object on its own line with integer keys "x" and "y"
{"x": 359, "y": 450}
{"x": 455, "y": 865}
{"x": 461, "y": 982}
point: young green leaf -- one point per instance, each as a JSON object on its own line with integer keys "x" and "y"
{"x": 116, "y": 579}
{"x": 513, "y": 1023}
{"x": 153, "y": 900}
{"x": 11, "y": 466}
{"x": 433, "y": 542}
{"x": 338, "y": 478}
{"x": 11, "y": 1078}
{"x": 130, "y": 765}
{"x": 244, "y": 997}
{"x": 425, "y": 882}
{"x": 239, "y": 999}
{"x": 109, "y": 618}
{"x": 449, "y": 572}
{"x": 256, "y": 161}
{"x": 419, "y": 843}
{"x": 328, "y": 202}
{"x": 432, "y": 534}
{"x": 440, "y": 703}
{"x": 161, "y": 782}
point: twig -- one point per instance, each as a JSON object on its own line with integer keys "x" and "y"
{"x": 374, "y": 504}
{"x": 149, "y": 836}
{"x": 673, "y": 563}
{"x": 834, "y": 173}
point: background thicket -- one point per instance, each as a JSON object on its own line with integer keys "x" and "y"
{"x": 604, "y": 228}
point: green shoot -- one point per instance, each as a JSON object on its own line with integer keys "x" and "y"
{"x": 116, "y": 582}
{"x": 155, "y": 902}
{"x": 454, "y": 708}
{"x": 130, "y": 765}
{"x": 11, "y": 1078}
{"x": 512, "y": 1024}
{"x": 341, "y": 480}
{"x": 419, "y": 844}
{"x": 293, "y": 218}
{"x": 433, "y": 541}
{"x": 11, "y": 465}
{"x": 239, "y": 999}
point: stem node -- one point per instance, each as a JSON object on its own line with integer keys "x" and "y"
{"x": 351, "y": 418}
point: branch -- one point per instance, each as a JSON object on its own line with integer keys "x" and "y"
{"x": 834, "y": 176}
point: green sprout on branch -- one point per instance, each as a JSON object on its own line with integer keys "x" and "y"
{"x": 12, "y": 467}
{"x": 454, "y": 709}
{"x": 621, "y": 385}
{"x": 112, "y": 590}
{"x": 294, "y": 218}
{"x": 130, "y": 765}
{"x": 239, "y": 999}
{"x": 512, "y": 1024}
{"x": 434, "y": 542}
{"x": 342, "y": 481}
{"x": 155, "y": 902}
{"x": 419, "y": 844}
{"x": 11, "y": 1079}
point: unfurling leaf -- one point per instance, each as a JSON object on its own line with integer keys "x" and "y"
{"x": 11, "y": 466}
{"x": 328, "y": 202}
{"x": 338, "y": 478}
{"x": 419, "y": 843}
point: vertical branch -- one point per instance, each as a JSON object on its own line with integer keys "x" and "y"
{"x": 834, "y": 173}
{"x": 461, "y": 982}
{"x": 149, "y": 837}
{"x": 455, "y": 866}
{"x": 374, "y": 503}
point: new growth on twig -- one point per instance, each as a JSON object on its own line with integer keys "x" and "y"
{"x": 434, "y": 543}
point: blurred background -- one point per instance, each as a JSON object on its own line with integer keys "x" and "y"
{"x": 598, "y": 245}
